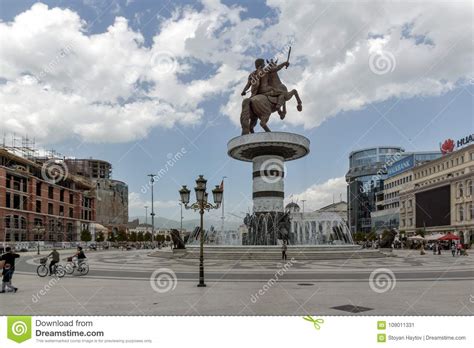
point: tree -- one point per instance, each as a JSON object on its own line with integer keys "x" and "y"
{"x": 372, "y": 236}
{"x": 99, "y": 237}
{"x": 359, "y": 236}
{"x": 140, "y": 237}
{"x": 133, "y": 236}
{"x": 147, "y": 237}
{"x": 86, "y": 236}
{"x": 420, "y": 232}
{"x": 121, "y": 235}
{"x": 111, "y": 237}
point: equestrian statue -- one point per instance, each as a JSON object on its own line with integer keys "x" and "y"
{"x": 267, "y": 95}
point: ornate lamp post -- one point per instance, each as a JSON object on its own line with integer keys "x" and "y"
{"x": 201, "y": 205}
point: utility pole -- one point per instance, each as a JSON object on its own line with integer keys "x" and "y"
{"x": 303, "y": 200}
{"x": 152, "y": 183}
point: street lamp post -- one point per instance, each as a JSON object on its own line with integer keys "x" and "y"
{"x": 201, "y": 205}
{"x": 181, "y": 222}
{"x": 39, "y": 231}
{"x": 146, "y": 216}
{"x": 152, "y": 183}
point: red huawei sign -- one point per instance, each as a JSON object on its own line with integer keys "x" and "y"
{"x": 447, "y": 146}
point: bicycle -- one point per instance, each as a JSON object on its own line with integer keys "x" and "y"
{"x": 82, "y": 267}
{"x": 42, "y": 270}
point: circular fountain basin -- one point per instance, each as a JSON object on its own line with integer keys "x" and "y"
{"x": 259, "y": 252}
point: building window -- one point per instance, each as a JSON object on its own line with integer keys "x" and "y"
{"x": 61, "y": 195}
{"x": 71, "y": 212}
{"x": 38, "y": 206}
{"x": 71, "y": 198}
{"x": 50, "y": 209}
{"x": 61, "y": 210}
{"x": 17, "y": 202}
{"x": 460, "y": 190}
{"x": 471, "y": 211}
{"x": 38, "y": 189}
{"x": 8, "y": 200}
{"x": 50, "y": 192}
{"x": 410, "y": 221}
{"x": 461, "y": 213}
{"x": 469, "y": 187}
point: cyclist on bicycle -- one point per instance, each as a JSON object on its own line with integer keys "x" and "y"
{"x": 54, "y": 260}
{"x": 81, "y": 257}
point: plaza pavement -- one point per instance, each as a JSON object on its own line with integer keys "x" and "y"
{"x": 119, "y": 284}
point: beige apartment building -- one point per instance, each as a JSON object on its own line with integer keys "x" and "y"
{"x": 437, "y": 197}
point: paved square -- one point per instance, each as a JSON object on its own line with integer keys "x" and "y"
{"x": 133, "y": 283}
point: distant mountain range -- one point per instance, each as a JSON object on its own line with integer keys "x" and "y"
{"x": 164, "y": 223}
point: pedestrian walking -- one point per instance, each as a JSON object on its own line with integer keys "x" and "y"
{"x": 284, "y": 248}
{"x": 439, "y": 248}
{"x": 8, "y": 268}
{"x": 435, "y": 247}
{"x": 453, "y": 249}
{"x": 459, "y": 249}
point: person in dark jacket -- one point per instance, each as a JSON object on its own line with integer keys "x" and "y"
{"x": 54, "y": 260}
{"x": 8, "y": 269}
{"x": 81, "y": 257}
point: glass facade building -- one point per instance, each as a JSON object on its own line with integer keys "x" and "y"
{"x": 367, "y": 171}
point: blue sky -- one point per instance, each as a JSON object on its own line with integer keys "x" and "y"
{"x": 424, "y": 98}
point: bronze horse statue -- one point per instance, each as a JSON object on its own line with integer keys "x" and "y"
{"x": 261, "y": 105}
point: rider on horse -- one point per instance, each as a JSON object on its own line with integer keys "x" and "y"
{"x": 258, "y": 81}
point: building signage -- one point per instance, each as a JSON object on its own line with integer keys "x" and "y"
{"x": 401, "y": 165}
{"x": 449, "y": 145}
{"x": 465, "y": 141}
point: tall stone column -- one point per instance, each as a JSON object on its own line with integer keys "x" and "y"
{"x": 268, "y": 189}
{"x": 268, "y": 153}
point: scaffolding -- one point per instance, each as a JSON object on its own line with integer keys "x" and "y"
{"x": 25, "y": 147}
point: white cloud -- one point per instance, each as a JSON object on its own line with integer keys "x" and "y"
{"x": 62, "y": 81}
{"x": 136, "y": 204}
{"x": 431, "y": 42}
{"x": 320, "y": 195}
